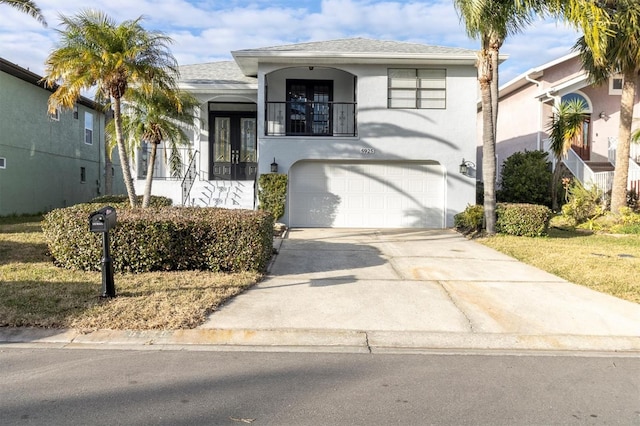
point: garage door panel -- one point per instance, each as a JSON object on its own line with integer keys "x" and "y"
{"x": 387, "y": 195}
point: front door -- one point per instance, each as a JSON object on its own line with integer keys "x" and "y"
{"x": 233, "y": 142}
{"x": 581, "y": 145}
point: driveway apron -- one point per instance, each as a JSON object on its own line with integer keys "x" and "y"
{"x": 394, "y": 283}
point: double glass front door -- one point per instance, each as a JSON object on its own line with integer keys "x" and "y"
{"x": 234, "y": 145}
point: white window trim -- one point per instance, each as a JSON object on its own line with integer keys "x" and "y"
{"x": 3, "y": 163}
{"x": 613, "y": 91}
{"x": 417, "y": 90}
{"x": 55, "y": 116}
{"x": 88, "y": 114}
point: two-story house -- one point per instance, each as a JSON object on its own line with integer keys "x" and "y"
{"x": 528, "y": 102}
{"x": 370, "y": 133}
{"x": 48, "y": 160}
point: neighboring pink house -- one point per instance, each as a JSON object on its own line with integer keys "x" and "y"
{"x": 525, "y": 110}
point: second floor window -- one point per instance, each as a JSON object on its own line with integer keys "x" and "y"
{"x": 309, "y": 109}
{"x": 420, "y": 88}
{"x": 88, "y": 128}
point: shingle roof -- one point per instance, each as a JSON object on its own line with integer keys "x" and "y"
{"x": 223, "y": 72}
{"x": 364, "y": 45}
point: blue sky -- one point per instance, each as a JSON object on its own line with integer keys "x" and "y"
{"x": 207, "y": 30}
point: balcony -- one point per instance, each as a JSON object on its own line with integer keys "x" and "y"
{"x": 300, "y": 118}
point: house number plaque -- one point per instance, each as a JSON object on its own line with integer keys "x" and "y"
{"x": 367, "y": 150}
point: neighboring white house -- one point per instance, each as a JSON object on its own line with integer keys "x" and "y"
{"x": 371, "y": 133}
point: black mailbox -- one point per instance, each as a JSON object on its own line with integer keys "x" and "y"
{"x": 102, "y": 220}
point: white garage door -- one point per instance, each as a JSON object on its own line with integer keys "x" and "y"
{"x": 367, "y": 195}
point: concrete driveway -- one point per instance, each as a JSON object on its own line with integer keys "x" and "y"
{"x": 424, "y": 289}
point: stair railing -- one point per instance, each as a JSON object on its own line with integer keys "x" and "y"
{"x": 189, "y": 178}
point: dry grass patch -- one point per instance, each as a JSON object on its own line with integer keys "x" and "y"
{"x": 606, "y": 263}
{"x": 35, "y": 293}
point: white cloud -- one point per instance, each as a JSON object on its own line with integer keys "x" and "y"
{"x": 207, "y": 30}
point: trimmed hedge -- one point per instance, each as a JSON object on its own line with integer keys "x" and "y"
{"x": 272, "y": 193}
{"x": 528, "y": 220}
{"x": 531, "y": 220}
{"x": 122, "y": 201}
{"x": 166, "y": 238}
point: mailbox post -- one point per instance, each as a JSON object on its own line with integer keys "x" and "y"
{"x": 101, "y": 221}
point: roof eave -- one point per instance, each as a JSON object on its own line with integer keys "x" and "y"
{"x": 248, "y": 61}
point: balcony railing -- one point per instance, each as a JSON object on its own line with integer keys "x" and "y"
{"x": 298, "y": 118}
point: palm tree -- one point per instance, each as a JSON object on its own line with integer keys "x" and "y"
{"x": 156, "y": 117}
{"x": 27, "y": 7}
{"x": 565, "y": 128}
{"x": 619, "y": 52}
{"x": 96, "y": 52}
{"x": 492, "y": 21}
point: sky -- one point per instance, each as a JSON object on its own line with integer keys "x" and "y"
{"x": 208, "y": 30}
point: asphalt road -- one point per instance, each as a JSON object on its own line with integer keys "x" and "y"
{"x": 115, "y": 387}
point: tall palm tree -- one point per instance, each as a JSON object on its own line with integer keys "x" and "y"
{"x": 95, "y": 51}
{"x": 156, "y": 117}
{"x": 565, "y": 128}
{"x": 27, "y": 6}
{"x": 492, "y": 21}
{"x": 618, "y": 53}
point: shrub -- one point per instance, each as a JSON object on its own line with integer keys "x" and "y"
{"x": 526, "y": 178}
{"x": 122, "y": 201}
{"x": 583, "y": 205}
{"x": 529, "y": 220}
{"x": 272, "y": 193}
{"x": 633, "y": 201}
{"x": 166, "y": 238}
{"x": 470, "y": 220}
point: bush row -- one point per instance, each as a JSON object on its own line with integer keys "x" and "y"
{"x": 531, "y": 220}
{"x": 163, "y": 238}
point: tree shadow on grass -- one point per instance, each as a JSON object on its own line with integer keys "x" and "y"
{"x": 45, "y": 304}
{"x": 17, "y": 252}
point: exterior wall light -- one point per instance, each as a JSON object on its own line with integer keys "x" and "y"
{"x": 604, "y": 116}
{"x": 274, "y": 166}
{"x": 465, "y": 167}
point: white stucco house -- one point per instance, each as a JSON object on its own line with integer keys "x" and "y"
{"x": 370, "y": 133}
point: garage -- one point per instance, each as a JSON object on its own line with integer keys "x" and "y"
{"x": 367, "y": 194}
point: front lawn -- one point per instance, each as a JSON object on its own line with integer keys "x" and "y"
{"x": 609, "y": 263}
{"x": 33, "y": 292}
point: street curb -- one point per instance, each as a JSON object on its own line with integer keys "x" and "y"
{"x": 299, "y": 340}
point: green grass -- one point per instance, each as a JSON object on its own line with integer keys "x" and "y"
{"x": 604, "y": 262}
{"x": 33, "y": 292}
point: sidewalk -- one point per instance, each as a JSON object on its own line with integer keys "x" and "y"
{"x": 358, "y": 290}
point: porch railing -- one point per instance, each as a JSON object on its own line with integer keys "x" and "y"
{"x": 633, "y": 179}
{"x": 582, "y": 172}
{"x": 299, "y": 118}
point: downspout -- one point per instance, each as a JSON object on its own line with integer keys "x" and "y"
{"x": 539, "y": 132}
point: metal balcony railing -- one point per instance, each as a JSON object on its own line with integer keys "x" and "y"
{"x": 298, "y": 118}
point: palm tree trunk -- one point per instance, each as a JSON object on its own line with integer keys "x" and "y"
{"x": 621, "y": 174}
{"x": 122, "y": 152}
{"x": 555, "y": 180}
{"x": 146, "y": 198}
{"x": 108, "y": 175}
{"x": 495, "y": 45}
{"x": 488, "y": 142}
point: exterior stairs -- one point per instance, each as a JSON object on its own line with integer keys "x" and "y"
{"x": 223, "y": 193}
{"x": 600, "y": 166}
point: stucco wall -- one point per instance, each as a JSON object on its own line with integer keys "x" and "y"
{"x": 44, "y": 157}
{"x": 444, "y": 136}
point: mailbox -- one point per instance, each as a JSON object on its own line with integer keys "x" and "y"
{"x": 102, "y": 220}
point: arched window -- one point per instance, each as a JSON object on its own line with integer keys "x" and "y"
{"x": 576, "y": 95}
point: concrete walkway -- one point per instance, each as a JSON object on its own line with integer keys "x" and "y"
{"x": 394, "y": 291}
